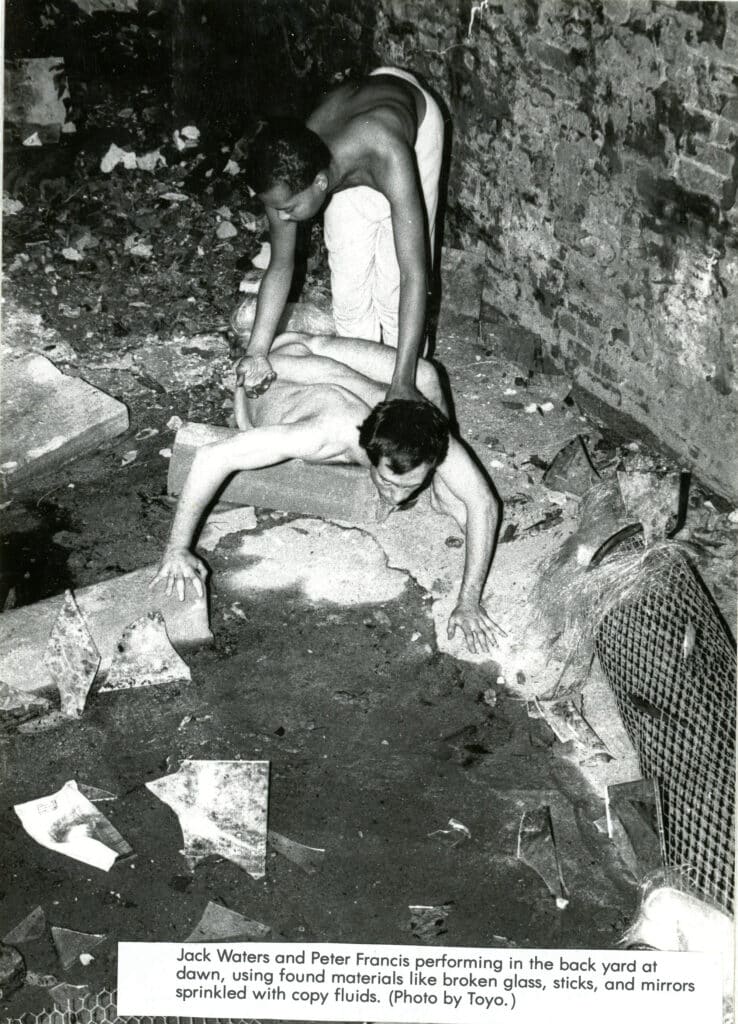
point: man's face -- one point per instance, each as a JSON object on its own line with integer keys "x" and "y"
{"x": 395, "y": 489}
{"x": 296, "y": 206}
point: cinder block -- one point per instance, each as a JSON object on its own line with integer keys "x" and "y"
{"x": 49, "y": 418}
{"x": 335, "y": 492}
{"x": 107, "y": 607}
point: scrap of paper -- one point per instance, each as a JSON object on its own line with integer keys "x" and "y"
{"x": 68, "y": 823}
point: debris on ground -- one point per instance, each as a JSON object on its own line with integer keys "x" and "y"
{"x": 71, "y": 657}
{"x": 652, "y": 500}
{"x": 41, "y": 980}
{"x": 31, "y": 927}
{"x": 428, "y": 923}
{"x": 456, "y": 829}
{"x": 537, "y": 849}
{"x": 68, "y": 823}
{"x": 218, "y": 923}
{"x": 94, "y": 794}
{"x": 309, "y": 858}
{"x": 145, "y": 657}
{"x": 71, "y": 946}
{"x": 636, "y": 807}
{"x": 222, "y": 810}
{"x": 570, "y": 728}
{"x": 572, "y": 470}
{"x": 12, "y": 970}
{"x": 68, "y": 997}
{"x": 12, "y": 698}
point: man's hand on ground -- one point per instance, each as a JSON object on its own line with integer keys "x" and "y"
{"x": 408, "y": 392}
{"x": 177, "y": 567}
{"x": 255, "y": 374}
{"x": 476, "y": 625}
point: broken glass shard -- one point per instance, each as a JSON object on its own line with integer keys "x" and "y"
{"x": 31, "y": 927}
{"x": 220, "y": 923}
{"x": 222, "y": 810}
{"x": 71, "y": 657}
{"x": 537, "y": 849}
{"x": 145, "y": 657}
{"x": 309, "y": 858}
{"x": 70, "y": 945}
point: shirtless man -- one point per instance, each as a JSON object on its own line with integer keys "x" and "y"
{"x": 374, "y": 148}
{"x": 323, "y": 408}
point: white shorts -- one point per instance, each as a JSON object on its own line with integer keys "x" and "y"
{"x": 365, "y": 275}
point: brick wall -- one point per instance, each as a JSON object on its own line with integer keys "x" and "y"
{"x": 594, "y": 160}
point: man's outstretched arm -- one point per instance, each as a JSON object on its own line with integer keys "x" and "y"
{"x": 464, "y": 493}
{"x": 251, "y": 449}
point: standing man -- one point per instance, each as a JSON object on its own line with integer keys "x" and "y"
{"x": 373, "y": 149}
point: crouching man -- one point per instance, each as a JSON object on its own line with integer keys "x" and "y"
{"x": 326, "y": 406}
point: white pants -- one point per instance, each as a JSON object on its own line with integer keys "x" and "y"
{"x": 365, "y": 275}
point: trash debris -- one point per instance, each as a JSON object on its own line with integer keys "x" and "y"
{"x": 129, "y": 457}
{"x": 218, "y": 923}
{"x": 490, "y": 697}
{"x": 12, "y": 698}
{"x": 637, "y": 806}
{"x": 95, "y": 794}
{"x": 222, "y": 810}
{"x": 141, "y": 249}
{"x": 115, "y": 156}
{"x": 144, "y": 656}
{"x": 567, "y": 723}
{"x": 150, "y": 161}
{"x": 69, "y": 997}
{"x": 250, "y": 282}
{"x": 263, "y": 256}
{"x": 226, "y": 230}
{"x": 68, "y": 823}
{"x": 41, "y": 980}
{"x": 31, "y": 927}
{"x": 86, "y": 959}
{"x": 652, "y": 500}
{"x": 71, "y": 657}
{"x": 456, "y": 828}
{"x": 166, "y": 453}
{"x": 428, "y": 923}
{"x": 174, "y": 423}
{"x": 186, "y": 138}
{"x": 72, "y": 254}
{"x": 71, "y": 945}
{"x": 175, "y": 197}
{"x": 571, "y": 470}
{"x": 11, "y": 206}
{"x": 12, "y": 970}
{"x": 309, "y": 858}
{"x": 146, "y": 432}
{"x": 537, "y": 849}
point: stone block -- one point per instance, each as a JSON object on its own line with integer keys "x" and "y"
{"x": 48, "y": 418}
{"x": 335, "y": 492}
{"x": 107, "y": 608}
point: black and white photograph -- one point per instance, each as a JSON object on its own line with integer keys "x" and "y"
{"x": 369, "y": 491}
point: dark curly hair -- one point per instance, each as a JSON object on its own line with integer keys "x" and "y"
{"x": 407, "y": 433}
{"x": 282, "y": 149}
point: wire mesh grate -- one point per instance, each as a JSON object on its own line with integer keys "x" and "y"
{"x": 101, "y": 1008}
{"x": 671, "y": 664}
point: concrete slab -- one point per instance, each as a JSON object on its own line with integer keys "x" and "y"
{"x": 108, "y": 608}
{"x": 48, "y": 418}
{"x": 337, "y": 492}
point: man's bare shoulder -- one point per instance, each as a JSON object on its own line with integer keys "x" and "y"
{"x": 379, "y": 109}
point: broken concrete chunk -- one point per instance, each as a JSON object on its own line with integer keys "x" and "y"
{"x": 71, "y": 657}
{"x": 571, "y": 470}
{"x": 303, "y": 317}
{"x": 222, "y": 810}
{"x": 71, "y": 945}
{"x": 537, "y": 849}
{"x": 108, "y": 608}
{"x": 49, "y": 418}
{"x": 68, "y": 823}
{"x": 309, "y": 858}
{"x": 12, "y": 971}
{"x": 221, "y": 924}
{"x": 31, "y": 927}
{"x": 145, "y": 657}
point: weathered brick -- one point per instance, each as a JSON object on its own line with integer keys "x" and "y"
{"x": 695, "y": 178}
{"x": 715, "y": 159}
